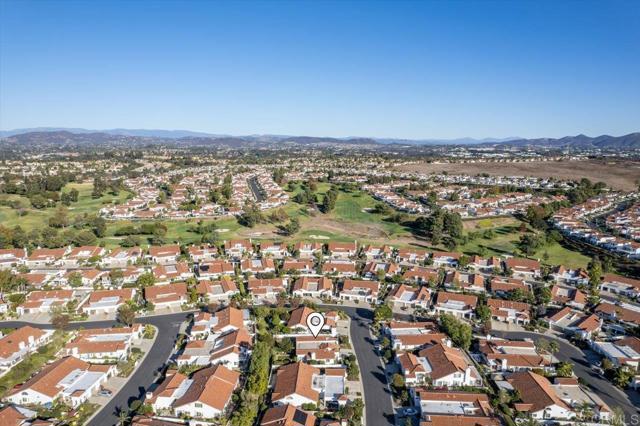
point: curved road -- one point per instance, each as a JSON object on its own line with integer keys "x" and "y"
{"x": 146, "y": 374}
{"x": 628, "y": 400}
{"x": 378, "y": 401}
{"x": 378, "y": 406}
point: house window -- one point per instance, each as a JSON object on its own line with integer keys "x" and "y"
{"x": 198, "y": 405}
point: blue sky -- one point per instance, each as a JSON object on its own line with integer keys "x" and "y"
{"x": 421, "y": 69}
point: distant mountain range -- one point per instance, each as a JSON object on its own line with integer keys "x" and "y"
{"x": 52, "y": 135}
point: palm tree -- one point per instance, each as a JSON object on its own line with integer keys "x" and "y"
{"x": 123, "y": 417}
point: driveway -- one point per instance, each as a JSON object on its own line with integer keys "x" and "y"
{"x": 628, "y": 400}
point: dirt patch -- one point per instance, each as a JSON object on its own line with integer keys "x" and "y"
{"x": 618, "y": 174}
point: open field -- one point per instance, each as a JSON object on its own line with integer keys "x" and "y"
{"x": 35, "y": 218}
{"x": 621, "y": 175}
{"x": 505, "y": 242}
{"x": 350, "y": 220}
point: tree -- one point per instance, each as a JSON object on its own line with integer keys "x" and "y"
{"x": 382, "y": 313}
{"x": 622, "y": 377}
{"x": 75, "y": 279}
{"x": 564, "y": 369}
{"x": 59, "y": 319}
{"x": 595, "y": 273}
{"x": 292, "y": 227}
{"x": 85, "y": 238}
{"x": 483, "y": 312}
{"x": 145, "y": 280}
{"x": 329, "y": 200}
{"x": 126, "y": 314}
{"x": 397, "y": 381}
{"x": 460, "y": 333}
{"x": 251, "y": 215}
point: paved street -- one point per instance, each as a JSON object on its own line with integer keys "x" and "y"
{"x": 628, "y": 400}
{"x": 378, "y": 406}
{"x": 145, "y": 375}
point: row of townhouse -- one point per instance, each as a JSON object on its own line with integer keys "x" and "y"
{"x": 573, "y": 222}
{"x": 219, "y": 345}
{"x": 152, "y": 202}
{"x": 434, "y": 371}
{"x": 626, "y": 222}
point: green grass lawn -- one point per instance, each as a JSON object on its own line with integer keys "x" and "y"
{"x": 36, "y": 218}
{"x": 350, "y": 206}
{"x": 504, "y": 242}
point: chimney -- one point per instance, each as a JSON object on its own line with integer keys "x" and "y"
{"x": 148, "y": 395}
{"x": 31, "y": 340}
{"x": 503, "y": 364}
{"x": 21, "y": 345}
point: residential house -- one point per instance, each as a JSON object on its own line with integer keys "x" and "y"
{"x": 10, "y": 258}
{"x": 237, "y": 248}
{"x": 43, "y": 257}
{"x": 202, "y": 253}
{"x": 459, "y": 281}
{"x": 302, "y": 266}
{"x": 262, "y": 265}
{"x": 317, "y": 287}
{"x": 338, "y": 250}
{"x": 103, "y": 302}
{"x": 276, "y": 250}
{"x": 80, "y": 255}
{"x": 287, "y": 415}
{"x": 561, "y": 295}
{"x": 16, "y": 345}
{"x": 68, "y": 379}
{"x": 404, "y": 296}
{"x": 459, "y": 305}
{"x": 171, "y": 272}
{"x": 445, "y": 258}
{"x": 340, "y": 268}
{"x": 449, "y": 366}
{"x": 208, "y": 393}
{"x": 509, "y": 311}
{"x": 576, "y": 323}
{"x": 513, "y": 355}
{"x": 41, "y": 302}
{"x": 266, "y": 289}
{"x": 620, "y": 285}
{"x": 523, "y": 268}
{"x": 320, "y": 350}
{"x": 217, "y": 291}
{"x": 538, "y": 399}
{"x": 307, "y": 250}
{"x": 167, "y": 296}
{"x": 294, "y": 385}
{"x": 360, "y": 291}
{"x": 214, "y": 269}
{"x": 164, "y": 255}
{"x": 621, "y": 352}
{"x": 104, "y": 345}
{"x": 232, "y": 348}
